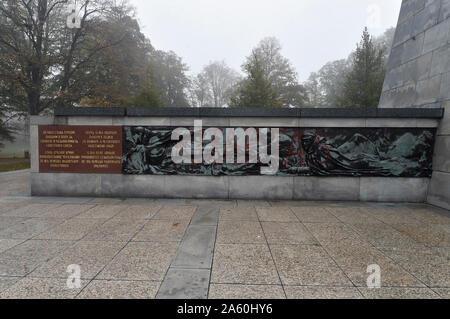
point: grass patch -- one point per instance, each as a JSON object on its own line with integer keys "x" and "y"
{"x": 9, "y": 167}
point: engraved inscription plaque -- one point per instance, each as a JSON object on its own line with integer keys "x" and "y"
{"x": 80, "y": 149}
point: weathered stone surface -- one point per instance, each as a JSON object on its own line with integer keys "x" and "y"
{"x": 34, "y": 148}
{"x": 442, "y": 154}
{"x": 133, "y": 186}
{"x": 90, "y": 120}
{"x": 261, "y": 187}
{"x": 70, "y": 185}
{"x": 330, "y": 122}
{"x": 41, "y": 120}
{"x": 439, "y": 193}
{"x": 445, "y": 10}
{"x": 394, "y": 189}
{"x": 141, "y": 121}
{"x": 396, "y": 57}
{"x": 412, "y": 48}
{"x": 428, "y": 17}
{"x": 263, "y": 122}
{"x": 444, "y": 128}
{"x": 436, "y": 36}
{"x": 90, "y": 111}
{"x": 428, "y": 90}
{"x": 216, "y": 117}
{"x": 445, "y": 86}
{"x": 409, "y": 8}
{"x": 185, "y": 284}
{"x": 398, "y": 98}
{"x": 391, "y": 122}
{"x": 423, "y": 65}
{"x": 403, "y": 31}
{"x": 196, "y": 187}
{"x": 196, "y": 250}
{"x": 206, "y": 216}
{"x": 441, "y": 61}
{"x": 431, "y": 25}
{"x": 339, "y": 113}
{"x": 318, "y": 188}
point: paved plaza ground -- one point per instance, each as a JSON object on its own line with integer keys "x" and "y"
{"x": 142, "y": 248}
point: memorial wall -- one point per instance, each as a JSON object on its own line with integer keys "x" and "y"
{"x": 356, "y": 152}
{"x": 276, "y": 154}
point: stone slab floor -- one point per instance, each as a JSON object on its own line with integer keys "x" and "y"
{"x": 142, "y": 248}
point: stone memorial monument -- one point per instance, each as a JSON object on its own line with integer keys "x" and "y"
{"x": 396, "y": 153}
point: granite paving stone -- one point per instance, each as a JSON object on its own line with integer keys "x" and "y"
{"x": 314, "y": 215}
{"x": 444, "y": 293}
{"x": 206, "y": 216}
{"x": 196, "y": 250}
{"x": 233, "y": 249}
{"x": 392, "y": 216}
{"x": 161, "y": 230}
{"x": 102, "y": 212}
{"x": 303, "y": 265}
{"x": 112, "y": 289}
{"x": 317, "y": 292}
{"x": 91, "y": 256}
{"x": 355, "y": 260}
{"x": 175, "y": 213}
{"x": 333, "y": 233}
{"x": 252, "y": 203}
{"x": 382, "y": 235}
{"x": 287, "y": 233}
{"x": 353, "y": 215}
{"x": 427, "y": 216}
{"x": 33, "y": 210}
{"x": 72, "y": 229}
{"x": 398, "y": 293}
{"x": 6, "y": 222}
{"x": 6, "y": 282}
{"x": 141, "y": 261}
{"x": 30, "y": 228}
{"x": 185, "y": 284}
{"x": 435, "y": 235}
{"x": 116, "y": 229}
{"x": 67, "y": 211}
{"x": 276, "y": 214}
{"x": 430, "y": 265}
{"x": 39, "y": 288}
{"x": 106, "y": 201}
{"x": 238, "y": 213}
{"x": 5, "y": 207}
{"x": 6, "y": 244}
{"x": 138, "y": 212}
{"x": 24, "y": 258}
{"x": 225, "y": 291}
{"x": 240, "y": 232}
{"x": 243, "y": 264}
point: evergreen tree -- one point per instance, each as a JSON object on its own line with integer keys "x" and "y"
{"x": 279, "y": 71}
{"x": 256, "y": 90}
{"x": 364, "y": 82}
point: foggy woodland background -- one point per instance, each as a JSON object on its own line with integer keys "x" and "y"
{"x": 110, "y": 62}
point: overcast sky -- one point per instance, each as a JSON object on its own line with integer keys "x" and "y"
{"x": 312, "y": 32}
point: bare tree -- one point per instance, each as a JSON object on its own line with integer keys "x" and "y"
{"x": 199, "y": 92}
{"x": 221, "y": 79}
{"x": 213, "y": 87}
{"x": 40, "y": 55}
